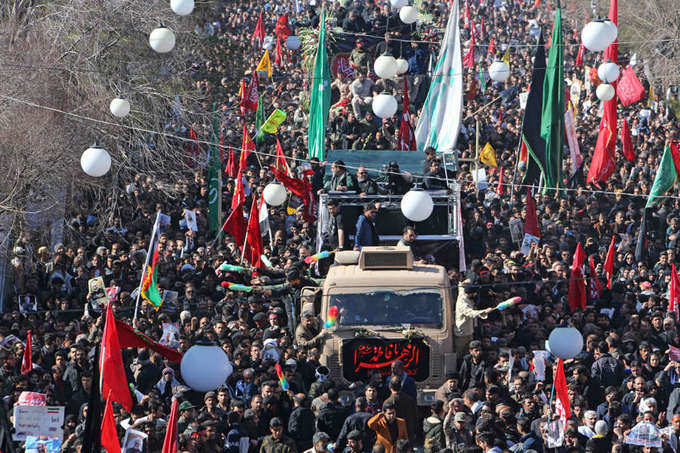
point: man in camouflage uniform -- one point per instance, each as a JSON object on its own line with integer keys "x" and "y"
{"x": 277, "y": 442}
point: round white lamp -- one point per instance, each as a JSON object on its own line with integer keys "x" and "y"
{"x": 417, "y": 205}
{"x": 274, "y": 194}
{"x": 396, "y": 4}
{"x": 598, "y": 34}
{"x": 499, "y": 71}
{"x": 95, "y": 161}
{"x": 162, "y": 39}
{"x": 384, "y": 105}
{"x": 608, "y": 72}
{"x": 293, "y": 42}
{"x": 119, "y": 107}
{"x": 385, "y": 66}
{"x": 605, "y": 92}
{"x": 182, "y": 7}
{"x": 205, "y": 366}
{"x": 402, "y": 66}
{"x": 408, "y": 14}
{"x": 565, "y": 342}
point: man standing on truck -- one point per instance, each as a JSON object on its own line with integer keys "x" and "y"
{"x": 309, "y": 333}
{"x": 465, "y": 316}
{"x": 366, "y": 234}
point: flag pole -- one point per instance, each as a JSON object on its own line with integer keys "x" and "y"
{"x": 477, "y": 156}
{"x": 243, "y": 251}
{"x": 144, "y": 269}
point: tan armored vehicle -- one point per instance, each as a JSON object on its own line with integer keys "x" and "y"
{"x": 388, "y": 309}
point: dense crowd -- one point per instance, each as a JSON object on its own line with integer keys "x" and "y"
{"x": 498, "y": 400}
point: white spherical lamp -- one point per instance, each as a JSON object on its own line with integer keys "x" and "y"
{"x": 162, "y": 39}
{"x": 612, "y": 29}
{"x": 293, "y": 42}
{"x": 565, "y": 342}
{"x": 408, "y": 14}
{"x": 95, "y": 161}
{"x": 119, "y": 107}
{"x": 608, "y": 72}
{"x": 384, "y": 105}
{"x": 598, "y": 35}
{"x": 605, "y": 92}
{"x": 385, "y": 66}
{"x": 417, "y": 205}
{"x": 396, "y": 4}
{"x": 274, "y": 194}
{"x": 182, "y": 7}
{"x": 402, "y": 66}
{"x": 205, "y": 366}
{"x": 499, "y": 71}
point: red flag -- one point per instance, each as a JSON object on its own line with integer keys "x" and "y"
{"x": 472, "y": 91}
{"x": 523, "y": 152}
{"x": 27, "y": 360}
{"x": 627, "y": 142}
{"x": 281, "y": 30}
{"x": 481, "y": 28}
{"x": 469, "y": 58}
{"x": 595, "y": 285}
{"x": 562, "y": 401}
{"x": 255, "y": 247}
{"x": 499, "y": 189}
{"x": 467, "y": 14}
{"x": 235, "y": 225}
{"x": 131, "y": 338}
{"x": 281, "y": 163}
{"x": 473, "y": 28}
{"x": 675, "y": 152}
{"x": 577, "y": 284}
{"x": 609, "y": 263}
{"x": 629, "y": 89}
{"x": 536, "y": 4}
{"x": 278, "y": 58}
{"x": 492, "y": 49}
{"x": 407, "y": 139}
{"x": 109, "y": 438}
{"x": 231, "y": 169}
{"x": 579, "y": 55}
{"x": 113, "y": 380}
{"x": 531, "y": 220}
{"x": 170, "y": 444}
{"x": 192, "y": 148}
{"x": 301, "y": 188}
{"x": 247, "y": 145}
{"x": 604, "y": 157}
{"x": 250, "y": 96}
{"x": 259, "y": 30}
{"x": 612, "y": 52}
{"x": 674, "y": 292}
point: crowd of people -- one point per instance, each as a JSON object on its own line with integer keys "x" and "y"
{"x": 498, "y": 400}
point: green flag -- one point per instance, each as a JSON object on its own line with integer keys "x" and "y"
{"x": 320, "y": 101}
{"x": 552, "y": 127}
{"x": 482, "y": 79}
{"x": 272, "y": 124}
{"x": 259, "y": 121}
{"x": 214, "y": 179}
{"x": 665, "y": 177}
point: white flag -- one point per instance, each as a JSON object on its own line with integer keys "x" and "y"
{"x": 263, "y": 218}
{"x": 440, "y": 120}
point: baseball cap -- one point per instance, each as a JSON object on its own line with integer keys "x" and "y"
{"x": 275, "y": 422}
{"x": 185, "y": 406}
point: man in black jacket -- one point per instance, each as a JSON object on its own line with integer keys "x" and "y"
{"x": 606, "y": 369}
{"x": 331, "y": 417}
{"x": 301, "y": 423}
{"x": 356, "y": 421}
{"x": 473, "y": 367}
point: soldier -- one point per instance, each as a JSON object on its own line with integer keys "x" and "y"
{"x": 310, "y": 332}
{"x": 277, "y": 442}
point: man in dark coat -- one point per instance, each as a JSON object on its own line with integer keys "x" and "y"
{"x": 301, "y": 423}
{"x": 356, "y": 421}
{"x": 405, "y": 406}
{"x": 332, "y": 416}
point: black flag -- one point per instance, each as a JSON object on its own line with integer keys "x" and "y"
{"x": 641, "y": 245}
{"x": 92, "y": 434}
{"x": 531, "y": 127}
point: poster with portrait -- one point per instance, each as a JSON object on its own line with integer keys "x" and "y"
{"x": 190, "y": 217}
{"x": 98, "y": 296}
{"x": 170, "y": 337}
{"x": 42, "y": 444}
{"x": 134, "y": 441}
{"x": 27, "y": 303}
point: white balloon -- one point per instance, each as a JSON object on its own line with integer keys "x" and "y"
{"x": 597, "y": 35}
{"x": 384, "y": 106}
{"x": 613, "y": 30}
{"x": 204, "y": 368}
{"x": 95, "y": 161}
{"x": 608, "y": 72}
{"x": 293, "y": 42}
{"x": 565, "y": 342}
{"x": 408, "y": 14}
{"x": 182, "y": 7}
{"x": 119, "y": 107}
{"x": 499, "y": 71}
{"x": 605, "y": 92}
{"x": 396, "y": 4}
{"x": 385, "y": 66}
{"x": 417, "y": 205}
{"x": 402, "y": 66}
{"x": 162, "y": 40}
{"x": 274, "y": 194}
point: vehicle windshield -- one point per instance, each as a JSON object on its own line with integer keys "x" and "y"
{"x": 390, "y": 307}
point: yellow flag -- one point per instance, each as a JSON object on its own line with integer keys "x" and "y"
{"x": 506, "y": 56}
{"x": 275, "y": 119}
{"x": 488, "y": 155}
{"x": 652, "y": 95}
{"x": 265, "y": 64}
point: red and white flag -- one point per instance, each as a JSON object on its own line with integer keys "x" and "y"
{"x": 27, "y": 360}
{"x": 562, "y": 408}
{"x": 674, "y": 292}
{"x": 113, "y": 380}
{"x": 609, "y": 263}
{"x": 407, "y": 139}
